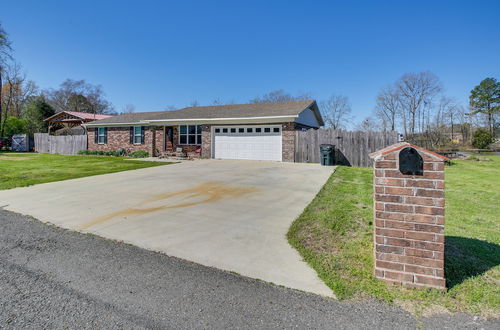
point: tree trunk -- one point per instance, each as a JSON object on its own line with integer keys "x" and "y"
{"x": 1, "y": 110}
{"x": 412, "y": 123}
{"x": 490, "y": 122}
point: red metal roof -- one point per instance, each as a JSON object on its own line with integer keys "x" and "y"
{"x": 81, "y": 115}
{"x": 86, "y": 115}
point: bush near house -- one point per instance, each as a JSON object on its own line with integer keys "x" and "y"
{"x": 334, "y": 235}
{"x": 116, "y": 153}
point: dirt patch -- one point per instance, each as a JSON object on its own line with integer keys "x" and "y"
{"x": 14, "y": 158}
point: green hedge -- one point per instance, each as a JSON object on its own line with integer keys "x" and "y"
{"x": 116, "y": 153}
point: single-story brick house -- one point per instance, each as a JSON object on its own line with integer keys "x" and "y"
{"x": 259, "y": 131}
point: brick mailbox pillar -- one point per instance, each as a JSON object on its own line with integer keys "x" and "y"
{"x": 409, "y": 209}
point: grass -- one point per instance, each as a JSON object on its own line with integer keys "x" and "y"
{"x": 334, "y": 235}
{"x": 25, "y": 169}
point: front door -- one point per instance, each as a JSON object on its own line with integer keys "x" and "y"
{"x": 169, "y": 139}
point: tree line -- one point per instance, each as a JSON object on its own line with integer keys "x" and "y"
{"x": 24, "y": 106}
{"x": 414, "y": 105}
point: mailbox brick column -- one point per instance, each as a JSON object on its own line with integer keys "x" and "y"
{"x": 409, "y": 219}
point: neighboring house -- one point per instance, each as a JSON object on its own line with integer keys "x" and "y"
{"x": 70, "y": 122}
{"x": 259, "y": 131}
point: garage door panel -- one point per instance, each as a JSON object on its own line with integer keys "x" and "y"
{"x": 250, "y": 144}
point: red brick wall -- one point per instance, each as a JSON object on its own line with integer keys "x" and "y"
{"x": 206, "y": 141}
{"x": 409, "y": 222}
{"x": 288, "y": 146}
{"x": 119, "y": 137}
{"x": 154, "y": 141}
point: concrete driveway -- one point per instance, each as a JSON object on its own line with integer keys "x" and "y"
{"x": 231, "y": 215}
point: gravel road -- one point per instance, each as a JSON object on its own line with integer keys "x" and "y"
{"x": 53, "y": 278}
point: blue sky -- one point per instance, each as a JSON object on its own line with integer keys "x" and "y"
{"x": 158, "y": 53}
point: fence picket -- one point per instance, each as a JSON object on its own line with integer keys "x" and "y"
{"x": 353, "y": 147}
{"x": 64, "y": 145}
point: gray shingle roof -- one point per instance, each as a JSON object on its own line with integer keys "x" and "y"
{"x": 291, "y": 108}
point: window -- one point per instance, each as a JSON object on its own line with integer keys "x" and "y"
{"x": 224, "y": 130}
{"x": 233, "y": 130}
{"x": 241, "y": 130}
{"x": 217, "y": 130}
{"x": 276, "y": 129}
{"x": 190, "y": 134}
{"x": 267, "y": 129}
{"x": 137, "y": 138}
{"x": 102, "y": 133}
{"x": 249, "y": 130}
{"x": 258, "y": 130}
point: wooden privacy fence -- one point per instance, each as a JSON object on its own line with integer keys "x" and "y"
{"x": 352, "y": 148}
{"x": 62, "y": 144}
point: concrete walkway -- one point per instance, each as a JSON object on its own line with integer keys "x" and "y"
{"x": 231, "y": 215}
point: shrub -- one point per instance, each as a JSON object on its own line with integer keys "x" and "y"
{"x": 139, "y": 154}
{"x": 116, "y": 153}
{"x": 482, "y": 138}
{"x": 13, "y": 126}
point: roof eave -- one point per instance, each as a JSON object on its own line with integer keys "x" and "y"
{"x": 265, "y": 119}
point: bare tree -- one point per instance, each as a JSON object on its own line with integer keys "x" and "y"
{"x": 416, "y": 93}
{"x": 5, "y": 57}
{"x": 463, "y": 119}
{"x": 336, "y": 111}
{"x": 369, "y": 124}
{"x": 450, "y": 109}
{"x": 128, "y": 108}
{"x": 78, "y": 95}
{"x": 280, "y": 96}
{"x": 388, "y": 107}
{"x": 17, "y": 91}
{"x": 217, "y": 101}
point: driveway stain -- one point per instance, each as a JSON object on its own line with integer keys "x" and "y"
{"x": 208, "y": 192}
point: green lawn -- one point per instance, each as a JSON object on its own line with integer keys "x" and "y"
{"x": 334, "y": 235}
{"x": 20, "y": 170}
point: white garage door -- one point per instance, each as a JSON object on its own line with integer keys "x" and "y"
{"x": 262, "y": 142}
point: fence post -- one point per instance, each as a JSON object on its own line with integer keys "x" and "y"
{"x": 409, "y": 209}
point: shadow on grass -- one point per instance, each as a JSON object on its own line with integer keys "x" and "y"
{"x": 468, "y": 257}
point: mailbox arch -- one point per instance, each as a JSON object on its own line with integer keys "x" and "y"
{"x": 410, "y": 162}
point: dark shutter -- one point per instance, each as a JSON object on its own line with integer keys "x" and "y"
{"x": 105, "y": 135}
{"x": 142, "y": 134}
{"x": 131, "y": 134}
{"x": 96, "y": 135}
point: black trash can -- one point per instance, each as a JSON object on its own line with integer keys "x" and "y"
{"x": 327, "y": 154}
